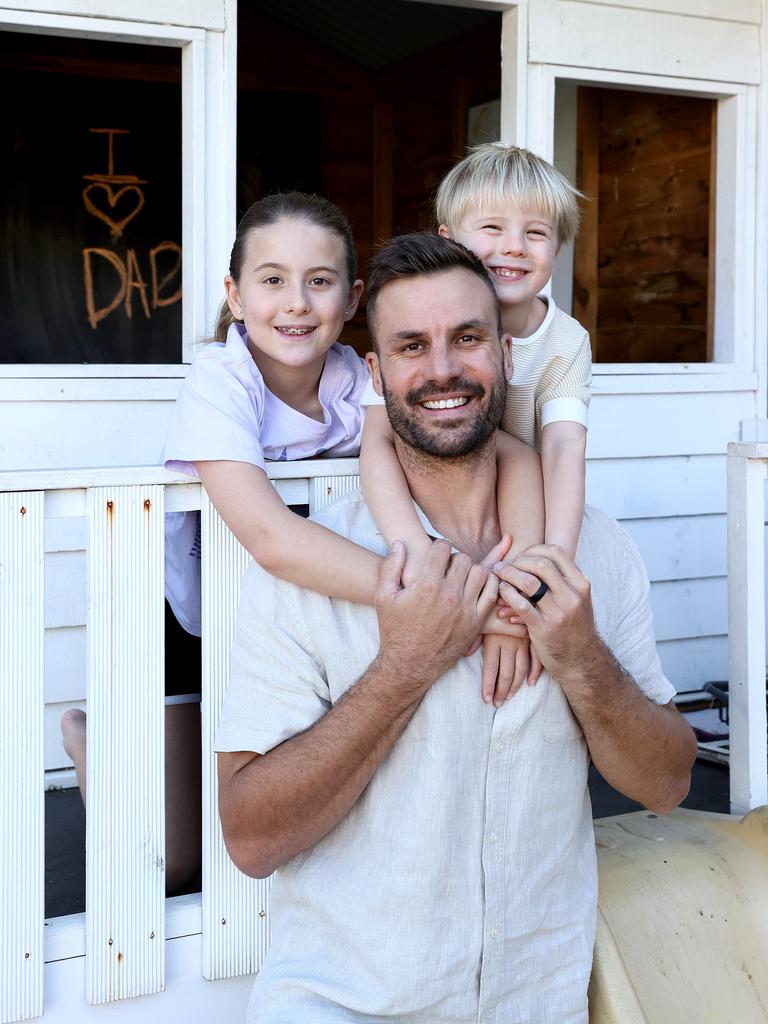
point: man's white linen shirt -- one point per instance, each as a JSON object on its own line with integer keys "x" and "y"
{"x": 461, "y": 887}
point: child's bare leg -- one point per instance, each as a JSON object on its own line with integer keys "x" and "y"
{"x": 183, "y": 789}
{"x": 73, "y": 734}
{"x": 183, "y": 794}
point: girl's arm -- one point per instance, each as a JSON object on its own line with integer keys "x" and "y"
{"x": 386, "y": 492}
{"x": 563, "y": 449}
{"x": 286, "y": 544}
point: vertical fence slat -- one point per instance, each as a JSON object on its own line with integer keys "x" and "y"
{"x": 21, "y": 755}
{"x": 125, "y": 822}
{"x": 325, "y": 489}
{"x": 746, "y": 633}
{"x": 235, "y": 918}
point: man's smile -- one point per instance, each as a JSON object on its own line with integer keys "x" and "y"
{"x": 445, "y": 403}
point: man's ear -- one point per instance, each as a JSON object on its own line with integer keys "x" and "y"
{"x": 506, "y": 351}
{"x": 373, "y": 365}
{"x": 443, "y": 231}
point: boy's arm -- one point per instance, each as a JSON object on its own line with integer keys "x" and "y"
{"x": 386, "y": 491}
{"x": 520, "y": 492}
{"x": 283, "y": 543}
{"x": 563, "y": 448}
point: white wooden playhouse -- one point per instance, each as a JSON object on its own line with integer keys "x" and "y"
{"x": 80, "y": 440}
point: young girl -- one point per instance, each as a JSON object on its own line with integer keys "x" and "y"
{"x": 276, "y": 385}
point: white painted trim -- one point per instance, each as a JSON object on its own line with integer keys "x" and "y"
{"x": 200, "y": 14}
{"x": 208, "y": 165}
{"x": 712, "y": 88}
{"x": 67, "y": 371}
{"x": 761, "y": 228}
{"x": 679, "y": 369}
{"x": 71, "y": 389}
{"x": 712, "y": 10}
{"x": 656, "y": 383}
{"x": 65, "y": 936}
{"x": 626, "y": 39}
{"x": 98, "y": 28}
{"x": 125, "y": 824}
{"x": 60, "y": 778}
{"x": 193, "y": 149}
{"x": 477, "y": 5}
{"x": 22, "y": 835}
{"x": 235, "y": 907}
{"x": 747, "y": 473}
{"x": 70, "y": 479}
{"x": 514, "y": 76}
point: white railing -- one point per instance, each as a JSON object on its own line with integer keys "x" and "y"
{"x": 747, "y": 473}
{"x": 123, "y": 931}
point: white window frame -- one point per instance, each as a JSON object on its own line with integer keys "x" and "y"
{"x": 738, "y": 303}
{"x": 208, "y": 140}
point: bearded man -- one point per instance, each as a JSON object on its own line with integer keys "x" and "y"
{"x": 434, "y": 856}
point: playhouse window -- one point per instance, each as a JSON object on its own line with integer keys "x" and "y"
{"x": 90, "y": 201}
{"x": 642, "y": 277}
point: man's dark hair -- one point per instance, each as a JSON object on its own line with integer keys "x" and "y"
{"x": 416, "y": 255}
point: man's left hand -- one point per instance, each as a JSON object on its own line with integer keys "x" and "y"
{"x": 561, "y": 624}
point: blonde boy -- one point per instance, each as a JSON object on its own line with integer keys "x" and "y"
{"x": 514, "y": 211}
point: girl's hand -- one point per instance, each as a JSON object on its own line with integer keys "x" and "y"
{"x": 417, "y": 549}
{"x": 506, "y": 663}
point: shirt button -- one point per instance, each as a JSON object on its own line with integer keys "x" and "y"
{"x": 499, "y": 747}
{"x": 493, "y": 837}
{"x": 494, "y": 933}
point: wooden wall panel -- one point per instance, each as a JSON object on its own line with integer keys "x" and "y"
{"x": 643, "y": 275}
{"x": 431, "y": 94}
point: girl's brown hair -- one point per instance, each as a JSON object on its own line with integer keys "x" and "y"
{"x": 284, "y": 206}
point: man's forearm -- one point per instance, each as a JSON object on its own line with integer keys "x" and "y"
{"x": 644, "y": 750}
{"x": 280, "y": 804}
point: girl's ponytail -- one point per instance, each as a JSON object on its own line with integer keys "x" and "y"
{"x": 224, "y": 322}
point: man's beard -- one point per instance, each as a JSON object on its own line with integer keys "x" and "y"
{"x": 448, "y": 439}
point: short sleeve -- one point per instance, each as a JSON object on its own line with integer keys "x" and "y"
{"x": 634, "y": 644}
{"x": 276, "y": 688}
{"x": 566, "y": 385}
{"x": 370, "y": 395}
{"x": 217, "y": 416}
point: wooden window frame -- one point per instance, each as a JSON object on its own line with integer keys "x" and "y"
{"x": 208, "y": 98}
{"x": 738, "y": 303}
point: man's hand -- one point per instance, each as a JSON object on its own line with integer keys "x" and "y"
{"x": 425, "y": 628}
{"x": 643, "y": 749}
{"x": 561, "y": 624}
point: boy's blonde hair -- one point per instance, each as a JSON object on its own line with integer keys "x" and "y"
{"x": 496, "y": 174}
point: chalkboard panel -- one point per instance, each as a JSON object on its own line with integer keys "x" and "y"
{"x": 90, "y": 219}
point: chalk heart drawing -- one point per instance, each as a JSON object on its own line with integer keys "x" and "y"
{"x": 104, "y": 205}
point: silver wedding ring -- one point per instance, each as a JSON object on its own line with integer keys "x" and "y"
{"x": 535, "y": 598}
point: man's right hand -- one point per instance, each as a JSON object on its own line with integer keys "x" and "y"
{"x": 425, "y": 628}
